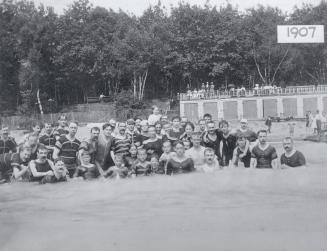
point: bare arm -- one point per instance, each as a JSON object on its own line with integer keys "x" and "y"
{"x": 35, "y": 173}
{"x": 234, "y": 159}
{"x": 253, "y": 162}
{"x": 274, "y": 163}
{"x": 19, "y": 173}
{"x": 97, "y": 164}
{"x": 55, "y": 154}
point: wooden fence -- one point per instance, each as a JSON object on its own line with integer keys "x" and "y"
{"x": 24, "y": 122}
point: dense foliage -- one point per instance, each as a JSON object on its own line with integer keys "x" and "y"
{"x": 92, "y": 50}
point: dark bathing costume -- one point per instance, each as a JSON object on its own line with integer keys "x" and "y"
{"x": 296, "y": 160}
{"x": 175, "y": 167}
{"x": 264, "y": 157}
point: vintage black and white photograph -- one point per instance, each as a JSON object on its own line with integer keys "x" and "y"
{"x": 163, "y": 125}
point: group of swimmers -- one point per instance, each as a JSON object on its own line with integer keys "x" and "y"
{"x": 137, "y": 148}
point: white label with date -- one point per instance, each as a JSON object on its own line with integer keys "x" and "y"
{"x": 300, "y": 34}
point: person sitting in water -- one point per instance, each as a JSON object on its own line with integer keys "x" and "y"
{"x": 14, "y": 166}
{"x": 179, "y": 163}
{"x": 242, "y": 152}
{"x": 119, "y": 170}
{"x": 142, "y": 166}
{"x": 291, "y": 157}
{"x": 211, "y": 163}
{"x": 43, "y": 169}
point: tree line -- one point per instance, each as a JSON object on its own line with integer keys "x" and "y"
{"x": 87, "y": 50}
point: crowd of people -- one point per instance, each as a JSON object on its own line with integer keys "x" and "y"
{"x": 208, "y": 91}
{"x": 137, "y": 147}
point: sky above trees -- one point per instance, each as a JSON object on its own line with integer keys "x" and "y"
{"x": 138, "y": 6}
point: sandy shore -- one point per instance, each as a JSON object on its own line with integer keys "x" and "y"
{"x": 234, "y": 209}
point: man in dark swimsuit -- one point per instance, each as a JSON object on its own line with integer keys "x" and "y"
{"x": 42, "y": 169}
{"x": 14, "y": 165}
{"x": 228, "y": 143}
{"x": 212, "y": 138}
{"x": 7, "y": 143}
{"x": 263, "y": 154}
{"x": 242, "y": 152}
{"x": 291, "y": 157}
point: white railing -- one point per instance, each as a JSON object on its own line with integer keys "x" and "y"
{"x": 290, "y": 90}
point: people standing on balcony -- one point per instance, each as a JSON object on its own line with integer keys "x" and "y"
{"x": 212, "y": 90}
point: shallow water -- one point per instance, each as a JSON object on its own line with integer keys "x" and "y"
{"x": 233, "y": 209}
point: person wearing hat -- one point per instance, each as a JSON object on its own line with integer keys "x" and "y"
{"x": 250, "y": 135}
{"x": 7, "y": 143}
